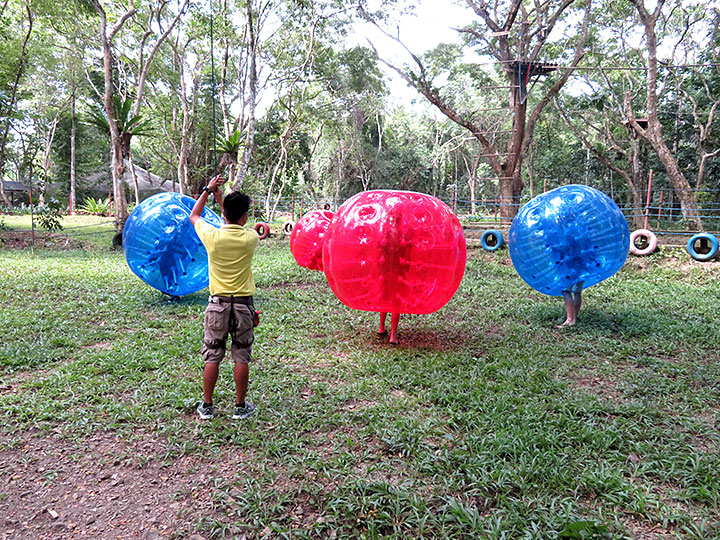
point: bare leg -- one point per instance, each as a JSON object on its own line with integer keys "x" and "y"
{"x": 241, "y": 373}
{"x": 210, "y": 377}
{"x": 382, "y": 332}
{"x": 570, "y": 309}
{"x": 577, "y": 302}
{"x": 393, "y": 328}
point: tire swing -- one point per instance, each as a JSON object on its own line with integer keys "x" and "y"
{"x": 707, "y": 249}
{"x": 492, "y": 240}
{"x": 647, "y": 241}
{"x": 262, "y": 229}
{"x": 288, "y": 227}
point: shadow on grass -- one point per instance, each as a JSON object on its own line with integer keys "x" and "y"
{"x": 158, "y": 298}
{"x": 424, "y": 339}
{"x": 627, "y": 321}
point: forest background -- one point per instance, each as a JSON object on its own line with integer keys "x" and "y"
{"x": 529, "y": 96}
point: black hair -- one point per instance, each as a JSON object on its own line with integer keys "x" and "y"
{"x": 235, "y": 206}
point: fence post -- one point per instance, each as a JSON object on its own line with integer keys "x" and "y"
{"x": 252, "y": 205}
{"x": 496, "y": 210}
{"x": 660, "y": 208}
{"x": 647, "y": 203}
{"x": 293, "y": 208}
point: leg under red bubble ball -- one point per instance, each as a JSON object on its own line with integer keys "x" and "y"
{"x": 393, "y": 328}
{"x": 381, "y": 331}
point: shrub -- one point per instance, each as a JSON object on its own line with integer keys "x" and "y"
{"x": 97, "y": 207}
{"x": 48, "y": 216}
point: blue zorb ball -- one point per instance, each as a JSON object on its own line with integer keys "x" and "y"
{"x": 573, "y": 236}
{"x": 161, "y": 245}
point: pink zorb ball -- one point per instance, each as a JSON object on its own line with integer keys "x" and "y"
{"x": 394, "y": 252}
{"x": 306, "y": 239}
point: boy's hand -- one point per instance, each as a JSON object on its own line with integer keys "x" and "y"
{"x": 215, "y": 183}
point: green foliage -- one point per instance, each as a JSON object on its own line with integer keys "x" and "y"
{"x": 126, "y": 123}
{"x": 229, "y": 145}
{"x": 91, "y": 153}
{"x": 49, "y": 215}
{"x": 97, "y": 207}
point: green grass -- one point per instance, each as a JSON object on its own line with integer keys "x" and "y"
{"x": 486, "y": 422}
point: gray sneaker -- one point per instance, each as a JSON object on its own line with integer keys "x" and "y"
{"x": 205, "y": 411}
{"x": 243, "y": 412}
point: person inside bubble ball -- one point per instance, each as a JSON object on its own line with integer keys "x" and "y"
{"x": 573, "y": 300}
{"x": 230, "y": 307}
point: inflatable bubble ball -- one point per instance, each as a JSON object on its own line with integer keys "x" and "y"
{"x": 573, "y": 236}
{"x": 306, "y": 239}
{"x": 395, "y": 252}
{"x": 161, "y": 246}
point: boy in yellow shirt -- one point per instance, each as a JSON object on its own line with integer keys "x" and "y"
{"x": 230, "y": 307}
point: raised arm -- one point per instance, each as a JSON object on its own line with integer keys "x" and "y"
{"x": 219, "y": 199}
{"x": 212, "y": 187}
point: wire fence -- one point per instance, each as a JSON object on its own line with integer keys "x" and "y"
{"x": 662, "y": 212}
{"x": 662, "y": 215}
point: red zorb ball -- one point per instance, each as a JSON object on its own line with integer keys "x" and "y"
{"x": 306, "y": 239}
{"x": 394, "y": 252}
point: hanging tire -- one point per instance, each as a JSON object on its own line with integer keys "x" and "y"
{"x": 262, "y": 229}
{"x": 692, "y": 250}
{"x": 492, "y": 240}
{"x": 288, "y": 227}
{"x": 649, "y": 238}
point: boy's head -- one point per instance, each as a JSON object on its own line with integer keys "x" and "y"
{"x": 235, "y": 206}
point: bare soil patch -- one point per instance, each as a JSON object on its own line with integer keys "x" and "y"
{"x": 105, "y": 486}
{"x": 27, "y": 239}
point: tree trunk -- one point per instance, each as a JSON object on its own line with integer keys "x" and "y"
{"x": 13, "y": 98}
{"x": 252, "y": 98}
{"x": 280, "y": 165}
{"x": 634, "y": 182}
{"x": 684, "y": 192}
{"x": 182, "y": 167}
{"x": 73, "y": 134}
{"x": 341, "y": 169}
{"x": 118, "y": 171}
{"x": 653, "y": 133}
{"x": 117, "y": 167}
{"x": 133, "y": 174}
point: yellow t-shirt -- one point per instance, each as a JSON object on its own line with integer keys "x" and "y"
{"x": 230, "y": 250}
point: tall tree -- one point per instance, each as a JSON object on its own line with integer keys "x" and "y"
{"x": 153, "y": 32}
{"x": 117, "y": 167}
{"x": 10, "y": 85}
{"x": 653, "y": 131}
{"x": 520, "y": 38}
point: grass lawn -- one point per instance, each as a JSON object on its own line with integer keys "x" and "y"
{"x": 485, "y": 422}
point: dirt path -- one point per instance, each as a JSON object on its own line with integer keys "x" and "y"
{"x": 104, "y": 487}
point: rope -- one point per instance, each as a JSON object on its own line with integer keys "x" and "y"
{"x": 212, "y": 83}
